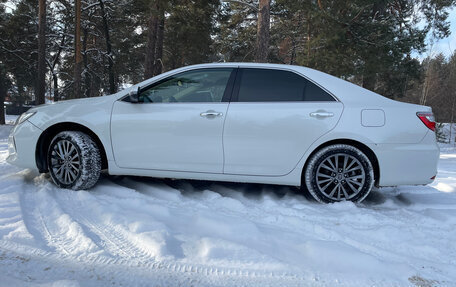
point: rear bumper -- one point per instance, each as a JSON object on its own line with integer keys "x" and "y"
{"x": 22, "y": 144}
{"x": 408, "y": 164}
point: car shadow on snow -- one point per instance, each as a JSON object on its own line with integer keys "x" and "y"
{"x": 380, "y": 196}
{"x": 250, "y": 191}
{"x": 195, "y": 188}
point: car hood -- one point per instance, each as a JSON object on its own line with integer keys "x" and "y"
{"x": 75, "y": 102}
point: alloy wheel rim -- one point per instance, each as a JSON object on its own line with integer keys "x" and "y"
{"x": 340, "y": 177}
{"x": 65, "y": 162}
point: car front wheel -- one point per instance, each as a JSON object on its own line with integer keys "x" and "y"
{"x": 74, "y": 160}
{"x": 339, "y": 172}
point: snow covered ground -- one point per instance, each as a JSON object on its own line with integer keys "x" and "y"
{"x": 147, "y": 232}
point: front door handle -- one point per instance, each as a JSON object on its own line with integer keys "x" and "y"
{"x": 211, "y": 114}
{"x": 321, "y": 114}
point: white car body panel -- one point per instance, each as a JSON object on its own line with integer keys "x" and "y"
{"x": 245, "y": 147}
{"x": 250, "y": 147}
{"x": 407, "y": 164}
{"x": 168, "y": 136}
{"x": 22, "y": 143}
{"x": 93, "y": 113}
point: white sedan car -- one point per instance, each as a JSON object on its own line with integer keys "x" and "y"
{"x": 240, "y": 122}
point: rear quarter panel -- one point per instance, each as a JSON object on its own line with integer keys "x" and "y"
{"x": 406, "y": 149}
{"x": 402, "y": 126}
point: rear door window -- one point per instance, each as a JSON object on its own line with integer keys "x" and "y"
{"x": 268, "y": 85}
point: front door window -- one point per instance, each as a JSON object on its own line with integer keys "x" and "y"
{"x": 200, "y": 86}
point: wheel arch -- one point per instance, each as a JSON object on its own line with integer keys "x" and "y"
{"x": 47, "y": 135}
{"x": 359, "y": 145}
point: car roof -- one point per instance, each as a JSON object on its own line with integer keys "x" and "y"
{"x": 344, "y": 91}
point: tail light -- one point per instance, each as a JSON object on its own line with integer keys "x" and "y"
{"x": 427, "y": 119}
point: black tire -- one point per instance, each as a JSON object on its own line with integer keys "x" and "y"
{"x": 74, "y": 160}
{"x": 339, "y": 172}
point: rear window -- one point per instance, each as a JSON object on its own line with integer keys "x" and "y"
{"x": 265, "y": 85}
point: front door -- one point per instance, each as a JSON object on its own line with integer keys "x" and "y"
{"x": 177, "y": 124}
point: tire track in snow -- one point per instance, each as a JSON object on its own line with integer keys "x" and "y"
{"x": 125, "y": 251}
{"x": 44, "y": 206}
{"x": 109, "y": 237}
{"x": 310, "y": 216}
{"x": 54, "y": 228}
{"x": 35, "y": 266}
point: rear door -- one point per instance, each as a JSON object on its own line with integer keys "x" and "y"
{"x": 176, "y": 126}
{"x": 273, "y": 117}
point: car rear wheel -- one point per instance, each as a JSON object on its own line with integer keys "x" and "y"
{"x": 74, "y": 160}
{"x": 339, "y": 172}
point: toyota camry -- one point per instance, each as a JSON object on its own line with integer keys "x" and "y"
{"x": 240, "y": 122}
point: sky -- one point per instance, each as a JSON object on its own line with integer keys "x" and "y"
{"x": 447, "y": 45}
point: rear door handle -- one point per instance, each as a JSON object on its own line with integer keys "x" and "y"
{"x": 319, "y": 114}
{"x": 211, "y": 114}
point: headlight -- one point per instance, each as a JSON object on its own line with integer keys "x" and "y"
{"x": 25, "y": 116}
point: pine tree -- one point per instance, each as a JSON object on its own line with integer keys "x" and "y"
{"x": 192, "y": 42}
{"x": 3, "y": 90}
{"x": 109, "y": 54}
{"x": 3, "y": 78}
{"x": 18, "y": 46}
{"x": 262, "y": 39}
{"x": 235, "y": 40}
{"x": 77, "y": 49}
{"x": 369, "y": 42}
{"x": 440, "y": 133}
{"x": 41, "y": 81}
{"x": 152, "y": 33}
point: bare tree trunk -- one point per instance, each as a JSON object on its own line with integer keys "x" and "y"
{"x": 452, "y": 121}
{"x": 309, "y": 30}
{"x": 152, "y": 30}
{"x": 2, "y": 105}
{"x": 77, "y": 51}
{"x": 425, "y": 91}
{"x": 56, "y": 87}
{"x": 293, "y": 51}
{"x": 2, "y": 96}
{"x": 262, "y": 41}
{"x": 112, "y": 81}
{"x": 52, "y": 68}
{"x": 41, "y": 80}
{"x": 87, "y": 77}
{"x": 159, "y": 47}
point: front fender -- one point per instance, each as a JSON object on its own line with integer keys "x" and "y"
{"x": 93, "y": 113}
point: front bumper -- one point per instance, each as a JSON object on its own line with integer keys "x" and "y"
{"x": 22, "y": 145}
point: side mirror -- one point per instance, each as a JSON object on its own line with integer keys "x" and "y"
{"x": 134, "y": 96}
